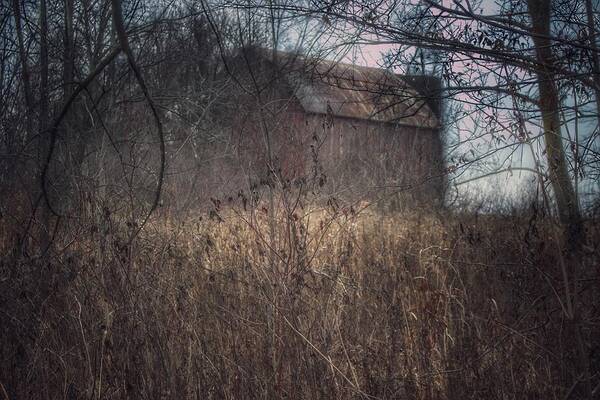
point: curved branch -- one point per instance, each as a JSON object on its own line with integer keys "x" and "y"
{"x": 124, "y": 43}
{"x": 63, "y": 113}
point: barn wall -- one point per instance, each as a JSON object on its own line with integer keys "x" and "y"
{"x": 351, "y": 158}
{"x": 362, "y": 158}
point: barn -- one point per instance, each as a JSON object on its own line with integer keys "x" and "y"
{"x": 349, "y": 131}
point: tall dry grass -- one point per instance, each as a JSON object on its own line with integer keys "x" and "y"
{"x": 334, "y": 303}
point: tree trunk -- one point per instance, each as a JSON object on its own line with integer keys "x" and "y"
{"x": 566, "y": 199}
{"x": 68, "y": 50}
{"x": 44, "y": 140}
{"x": 24, "y": 68}
{"x": 75, "y": 126}
{"x": 577, "y": 367}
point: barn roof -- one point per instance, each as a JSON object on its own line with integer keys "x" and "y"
{"x": 351, "y": 91}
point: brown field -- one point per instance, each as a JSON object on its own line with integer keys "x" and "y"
{"x": 332, "y": 304}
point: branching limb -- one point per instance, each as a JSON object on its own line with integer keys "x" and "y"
{"x": 124, "y": 43}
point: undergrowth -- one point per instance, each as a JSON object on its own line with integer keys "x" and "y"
{"x": 330, "y": 304}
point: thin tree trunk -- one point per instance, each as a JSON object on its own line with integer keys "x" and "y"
{"x": 68, "y": 50}
{"x": 595, "y": 58}
{"x": 44, "y": 139}
{"x": 74, "y": 143}
{"x": 44, "y": 103}
{"x": 24, "y": 67}
{"x": 566, "y": 197}
{"x": 566, "y": 200}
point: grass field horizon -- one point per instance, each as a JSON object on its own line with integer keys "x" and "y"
{"x": 335, "y": 302}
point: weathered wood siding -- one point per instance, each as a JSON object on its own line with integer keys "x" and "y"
{"x": 355, "y": 157}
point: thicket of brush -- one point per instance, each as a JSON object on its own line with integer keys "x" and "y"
{"x": 333, "y": 303}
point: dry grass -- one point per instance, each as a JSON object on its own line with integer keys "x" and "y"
{"x": 334, "y": 305}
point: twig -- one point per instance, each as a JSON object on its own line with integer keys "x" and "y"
{"x": 3, "y": 391}
{"x": 333, "y": 366}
